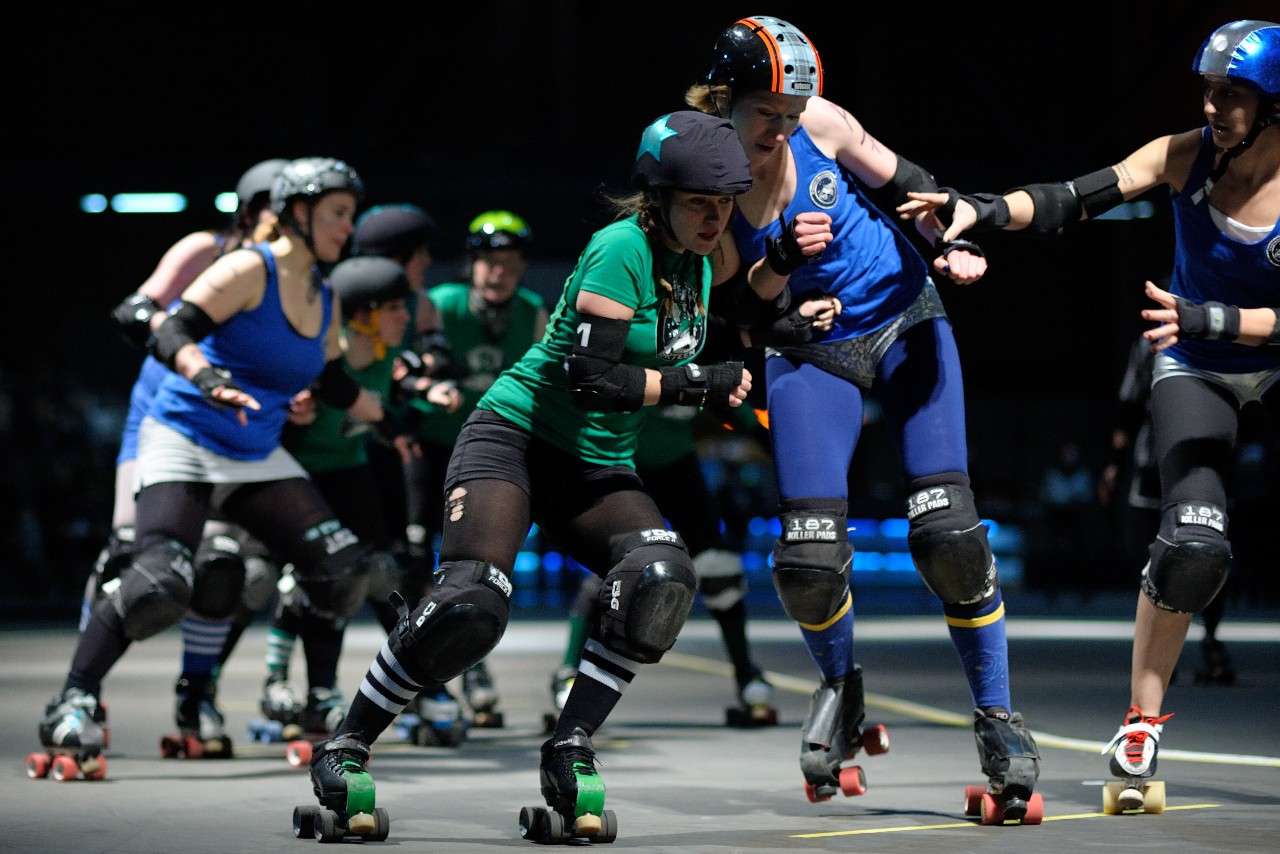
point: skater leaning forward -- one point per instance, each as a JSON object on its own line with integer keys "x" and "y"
{"x": 808, "y": 222}
{"x": 1219, "y": 309}
{"x": 552, "y": 442}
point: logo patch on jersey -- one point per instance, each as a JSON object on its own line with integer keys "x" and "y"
{"x": 1273, "y": 251}
{"x": 822, "y": 189}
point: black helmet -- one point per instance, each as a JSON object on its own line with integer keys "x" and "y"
{"x": 256, "y": 183}
{"x": 311, "y": 178}
{"x": 498, "y": 230}
{"x": 763, "y": 53}
{"x": 368, "y": 281}
{"x": 392, "y": 231}
{"x": 693, "y": 151}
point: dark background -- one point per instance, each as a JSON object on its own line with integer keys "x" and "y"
{"x": 535, "y": 107}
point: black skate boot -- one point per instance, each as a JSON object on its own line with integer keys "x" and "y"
{"x": 1217, "y": 669}
{"x": 281, "y": 712}
{"x": 201, "y": 730}
{"x": 1011, "y": 761}
{"x": 346, "y": 794}
{"x": 440, "y": 719}
{"x": 833, "y": 733}
{"x": 574, "y": 793}
{"x": 73, "y": 739}
{"x": 1134, "y": 750}
{"x": 477, "y": 686}
{"x": 755, "y": 704}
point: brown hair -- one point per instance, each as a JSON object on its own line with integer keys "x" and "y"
{"x": 645, "y": 208}
{"x": 715, "y": 98}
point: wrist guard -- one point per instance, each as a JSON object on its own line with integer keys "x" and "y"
{"x": 133, "y": 316}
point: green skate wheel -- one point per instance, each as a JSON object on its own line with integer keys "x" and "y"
{"x": 327, "y": 826}
{"x": 304, "y": 822}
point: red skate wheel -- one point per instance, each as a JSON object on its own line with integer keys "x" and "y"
{"x": 64, "y": 769}
{"x": 38, "y": 765}
{"x": 811, "y": 793}
{"x": 875, "y": 740}
{"x": 973, "y": 799}
{"x": 193, "y": 747}
{"x": 992, "y": 811}
{"x": 298, "y": 753}
{"x": 97, "y": 769}
{"x": 853, "y": 781}
{"x": 1035, "y": 809}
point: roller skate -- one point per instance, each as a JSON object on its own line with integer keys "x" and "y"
{"x": 1011, "y": 761}
{"x": 833, "y": 733}
{"x": 73, "y": 739}
{"x": 281, "y": 712}
{"x": 201, "y": 732}
{"x": 319, "y": 720}
{"x": 477, "y": 687}
{"x": 574, "y": 793}
{"x": 346, "y": 794}
{"x": 561, "y": 685}
{"x": 438, "y": 721}
{"x": 755, "y": 704}
{"x": 1217, "y": 669}
{"x": 1133, "y": 759}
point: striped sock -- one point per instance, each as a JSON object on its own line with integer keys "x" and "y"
{"x": 831, "y": 643}
{"x": 202, "y": 641}
{"x": 977, "y": 631}
{"x": 602, "y": 677}
{"x": 383, "y": 694}
{"x": 279, "y": 651}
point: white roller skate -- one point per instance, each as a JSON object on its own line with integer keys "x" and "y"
{"x": 1133, "y": 753}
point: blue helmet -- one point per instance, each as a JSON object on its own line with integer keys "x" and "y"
{"x": 1244, "y": 50}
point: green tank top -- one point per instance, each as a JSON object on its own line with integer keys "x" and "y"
{"x": 479, "y": 356}
{"x": 618, "y": 263}
{"x": 322, "y": 447}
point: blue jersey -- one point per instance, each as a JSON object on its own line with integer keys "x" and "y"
{"x": 140, "y": 397}
{"x": 1208, "y": 265}
{"x": 870, "y": 265}
{"x": 267, "y": 357}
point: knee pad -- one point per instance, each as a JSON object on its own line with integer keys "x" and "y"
{"x": 1190, "y": 558}
{"x": 219, "y": 577}
{"x": 948, "y": 541}
{"x": 334, "y": 575}
{"x": 720, "y": 578}
{"x": 456, "y": 625}
{"x": 114, "y": 558}
{"x": 812, "y": 558}
{"x": 647, "y": 595}
{"x": 385, "y": 575}
{"x": 261, "y": 575}
{"x": 155, "y": 590}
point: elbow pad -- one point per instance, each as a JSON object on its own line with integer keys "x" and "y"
{"x": 1098, "y": 192}
{"x": 335, "y": 386}
{"x": 1273, "y": 340}
{"x": 133, "y": 316}
{"x": 188, "y": 325}
{"x": 598, "y": 381}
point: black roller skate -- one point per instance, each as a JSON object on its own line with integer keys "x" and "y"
{"x": 561, "y": 685}
{"x": 833, "y": 733}
{"x": 477, "y": 686}
{"x": 73, "y": 738}
{"x": 201, "y": 730}
{"x": 438, "y": 720}
{"x": 281, "y": 712}
{"x": 574, "y": 792}
{"x": 1133, "y": 760}
{"x": 346, "y": 794}
{"x": 1011, "y": 761}
{"x": 1217, "y": 669}
{"x": 319, "y": 720}
{"x": 755, "y": 704}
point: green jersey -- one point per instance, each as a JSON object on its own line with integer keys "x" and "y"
{"x": 668, "y": 329}
{"x": 479, "y": 356}
{"x": 321, "y": 446}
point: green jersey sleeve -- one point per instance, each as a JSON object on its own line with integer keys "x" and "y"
{"x": 616, "y": 266}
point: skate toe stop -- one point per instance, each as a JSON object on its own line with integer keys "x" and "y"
{"x": 587, "y": 825}
{"x": 362, "y": 824}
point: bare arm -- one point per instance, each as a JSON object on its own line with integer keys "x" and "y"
{"x": 836, "y": 131}
{"x": 178, "y": 268}
{"x": 230, "y": 285}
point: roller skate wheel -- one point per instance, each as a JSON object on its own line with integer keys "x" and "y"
{"x": 38, "y": 765}
{"x": 1111, "y": 798}
{"x": 106, "y": 738}
{"x": 533, "y": 823}
{"x": 362, "y": 824}
{"x": 853, "y": 781}
{"x": 193, "y": 747}
{"x": 291, "y": 732}
{"x": 327, "y": 827}
{"x": 608, "y": 827}
{"x": 170, "y": 746}
{"x": 1153, "y": 798}
{"x": 94, "y": 768}
{"x": 764, "y": 715}
{"x": 1035, "y": 809}
{"x": 973, "y": 799}
{"x": 991, "y": 811}
{"x": 875, "y": 740}
{"x": 304, "y": 822}
{"x": 298, "y": 753}
{"x": 816, "y": 795}
{"x": 488, "y": 720}
{"x": 382, "y": 825}
{"x": 587, "y": 824}
{"x": 64, "y": 769}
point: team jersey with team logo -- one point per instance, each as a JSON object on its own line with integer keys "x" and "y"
{"x": 332, "y": 442}
{"x": 870, "y": 265}
{"x": 668, "y": 329}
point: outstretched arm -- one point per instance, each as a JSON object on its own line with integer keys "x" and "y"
{"x": 1180, "y": 318}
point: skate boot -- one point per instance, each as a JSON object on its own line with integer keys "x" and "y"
{"x": 319, "y": 720}
{"x": 574, "y": 793}
{"x": 755, "y": 704}
{"x": 441, "y": 722}
{"x": 281, "y": 712}
{"x": 477, "y": 686}
{"x": 561, "y": 685}
{"x": 346, "y": 794}
{"x": 1133, "y": 760}
{"x": 1011, "y": 761}
{"x": 1217, "y": 669}
{"x": 201, "y": 731}
{"x": 72, "y": 737}
{"x": 833, "y": 733}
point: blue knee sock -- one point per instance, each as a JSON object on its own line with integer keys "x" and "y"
{"x": 831, "y": 645}
{"x": 202, "y": 641}
{"x": 978, "y": 634}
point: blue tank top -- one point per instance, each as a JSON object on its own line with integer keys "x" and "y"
{"x": 267, "y": 357}
{"x": 870, "y": 265}
{"x": 1208, "y": 265}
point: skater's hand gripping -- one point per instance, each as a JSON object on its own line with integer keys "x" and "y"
{"x": 963, "y": 216}
{"x": 822, "y": 310}
{"x": 219, "y": 388}
{"x": 801, "y": 240}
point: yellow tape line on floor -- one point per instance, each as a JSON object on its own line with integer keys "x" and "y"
{"x": 902, "y": 828}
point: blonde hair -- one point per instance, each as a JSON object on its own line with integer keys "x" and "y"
{"x": 715, "y": 98}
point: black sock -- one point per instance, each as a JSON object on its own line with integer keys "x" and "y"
{"x": 602, "y": 677}
{"x": 239, "y": 623}
{"x": 101, "y": 644}
{"x": 321, "y": 646}
{"x": 733, "y": 629}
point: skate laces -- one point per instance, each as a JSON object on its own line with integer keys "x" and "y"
{"x": 1135, "y": 731}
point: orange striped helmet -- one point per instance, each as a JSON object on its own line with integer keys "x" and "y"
{"x": 766, "y": 53}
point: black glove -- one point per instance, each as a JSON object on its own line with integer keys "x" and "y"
{"x": 696, "y": 385}
{"x": 133, "y": 316}
{"x": 1212, "y": 321}
{"x": 208, "y": 379}
{"x": 783, "y": 255}
{"x": 992, "y": 209}
{"x": 788, "y": 330}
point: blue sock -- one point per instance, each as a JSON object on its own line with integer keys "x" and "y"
{"x": 202, "y": 641}
{"x": 831, "y": 645}
{"x": 978, "y": 634}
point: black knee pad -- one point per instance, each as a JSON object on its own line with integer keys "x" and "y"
{"x": 385, "y": 576}
{"x": 1190, "y": 558}
{"x": 647, "y": 595}
{"x": 155, "y": 590}
{"x": 115, "y": 557}
{"x": 334, "y": 574}
{"x": 948, "y": 541}
{"x": 456, "y": 625}
{"x": 812, "y": 559}
{"x": 219, "y": 577}
{"x": 721, "y": 582}
{"x": 261, "y": 575}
